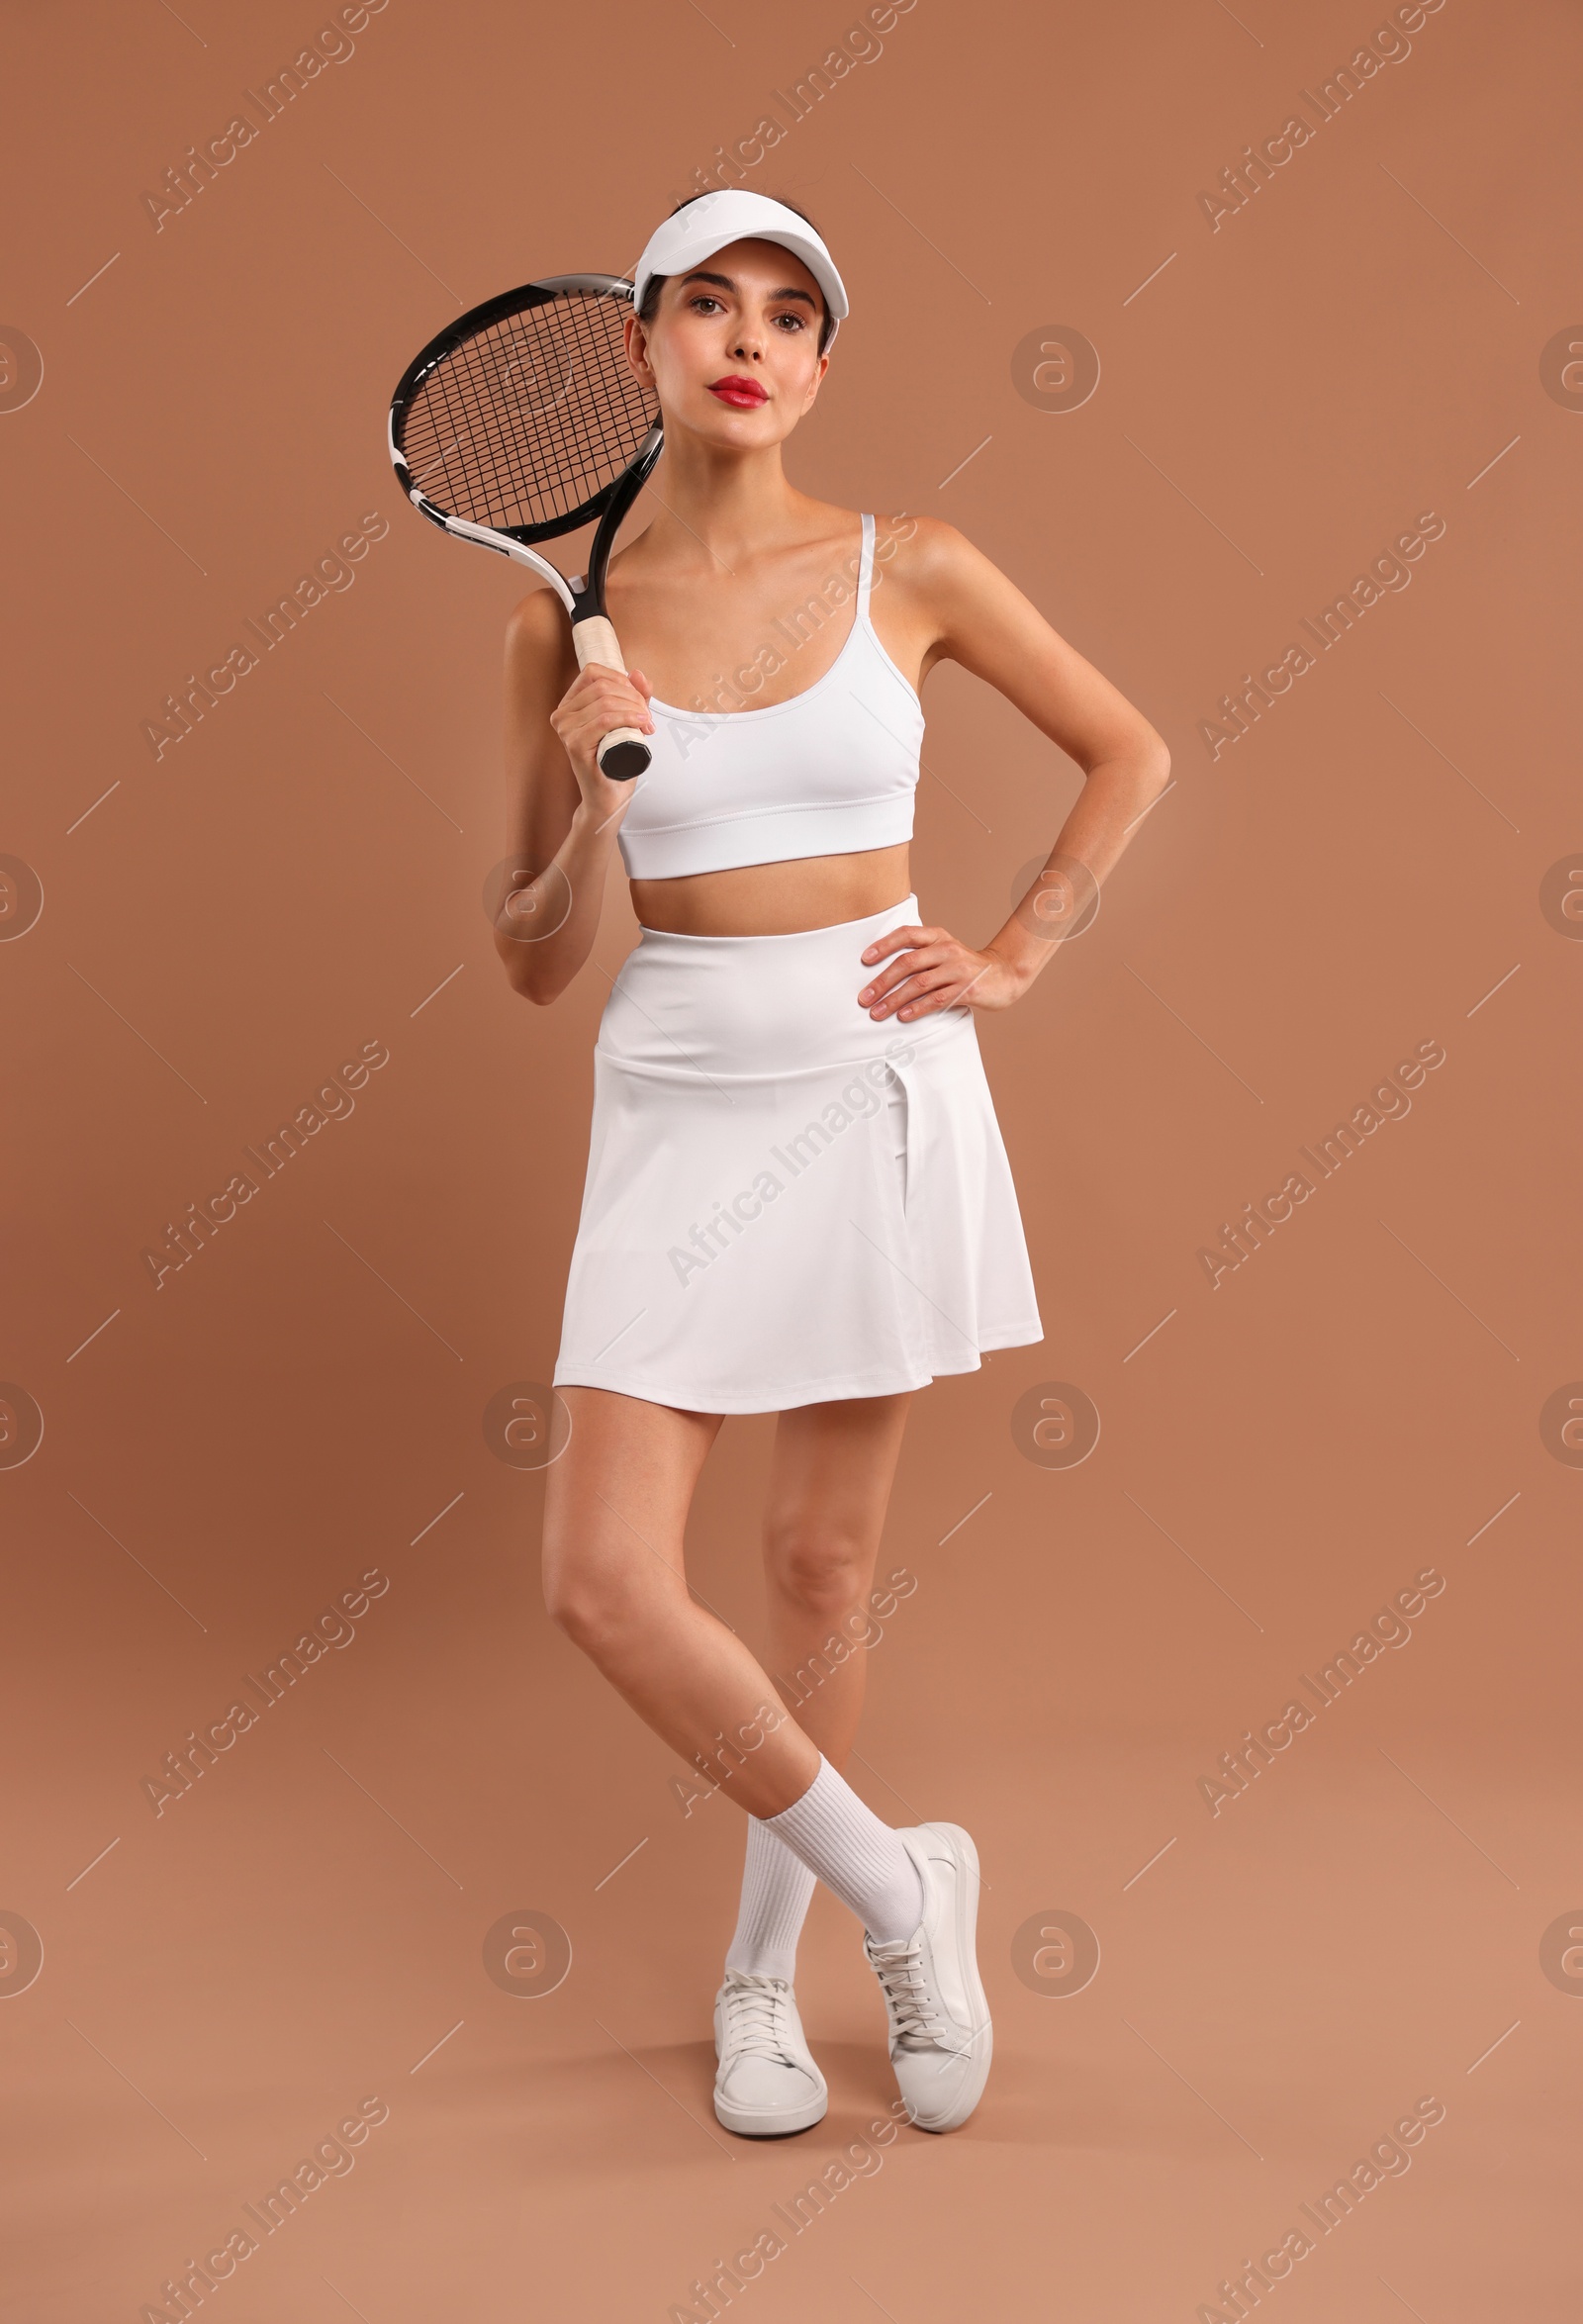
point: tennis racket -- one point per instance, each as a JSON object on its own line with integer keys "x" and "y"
{"x": 523, "y": 420}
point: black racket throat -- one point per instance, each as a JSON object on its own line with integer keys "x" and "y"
{"x": 590, "y": 599}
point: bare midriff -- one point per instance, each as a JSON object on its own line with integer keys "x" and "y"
{"x": 776, "y": 899}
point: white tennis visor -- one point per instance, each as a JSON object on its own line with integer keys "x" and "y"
{"x": 734, "y": 216}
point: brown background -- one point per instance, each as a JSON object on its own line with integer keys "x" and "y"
{"x": 301, "y": 1402}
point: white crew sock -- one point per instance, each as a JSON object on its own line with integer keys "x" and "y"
{"x": 857, "y": 1856}
{"x": 776, "y": 1890}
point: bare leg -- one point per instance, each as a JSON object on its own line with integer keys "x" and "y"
{"x": 614, "y": 1515}
{"x": 613, "y": 1522}
{"x": 830, "y": 1483}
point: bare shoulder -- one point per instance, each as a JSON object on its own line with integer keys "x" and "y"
{"x": 538, "y": 638}
{"x": 930, "y": 559}
{"x": 940, "y": 588}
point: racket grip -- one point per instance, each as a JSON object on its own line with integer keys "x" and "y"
{"x": 623, "y": 753}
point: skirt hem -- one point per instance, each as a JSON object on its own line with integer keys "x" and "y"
{"x": 885, "y": 1383}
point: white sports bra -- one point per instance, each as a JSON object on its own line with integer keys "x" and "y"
{"x": 828, "y": 773}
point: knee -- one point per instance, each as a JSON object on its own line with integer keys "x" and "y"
{"x": 594, "y": 1611}
{"x": 820, "y": 1571}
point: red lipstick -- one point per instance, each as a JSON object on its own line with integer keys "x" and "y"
{"x": 743, "y": 394}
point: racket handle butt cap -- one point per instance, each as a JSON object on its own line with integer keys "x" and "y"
{"x": 623, "y": 755}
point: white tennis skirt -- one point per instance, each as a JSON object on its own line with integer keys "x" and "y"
{"x": 786, "y": 1201}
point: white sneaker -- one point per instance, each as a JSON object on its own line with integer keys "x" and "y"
{"x": 941, "y": 2037}
{"x": 766, "y": 2084}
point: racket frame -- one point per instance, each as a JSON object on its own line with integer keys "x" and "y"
{"x": 623, "y": 753}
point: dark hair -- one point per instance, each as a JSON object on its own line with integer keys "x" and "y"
{"x": 657, "y": 282}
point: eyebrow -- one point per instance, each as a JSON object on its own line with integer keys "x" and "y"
{"x": 727, "y": 284}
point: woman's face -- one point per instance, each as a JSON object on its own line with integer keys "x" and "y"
{"x": 732, "y": 351}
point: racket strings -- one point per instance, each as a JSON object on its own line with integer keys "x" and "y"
{"x": 529, "y": 420}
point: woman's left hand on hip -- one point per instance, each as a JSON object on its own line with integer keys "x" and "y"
{"x": 932, "y": 969}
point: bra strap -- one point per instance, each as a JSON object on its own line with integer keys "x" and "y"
{"x": 865, "y": 568}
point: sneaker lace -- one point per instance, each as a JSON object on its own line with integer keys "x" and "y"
{"x": 755, "y": 2017}
{"x": 914, "y": 2014}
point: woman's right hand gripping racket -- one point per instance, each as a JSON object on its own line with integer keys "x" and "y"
{"x": 523, "y": 420}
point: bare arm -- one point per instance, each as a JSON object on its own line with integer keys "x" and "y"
{"x": 958, "y": 606}
{"x": 564, "y": 813}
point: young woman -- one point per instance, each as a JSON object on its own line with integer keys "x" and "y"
{"x": 797, "y": 1199}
